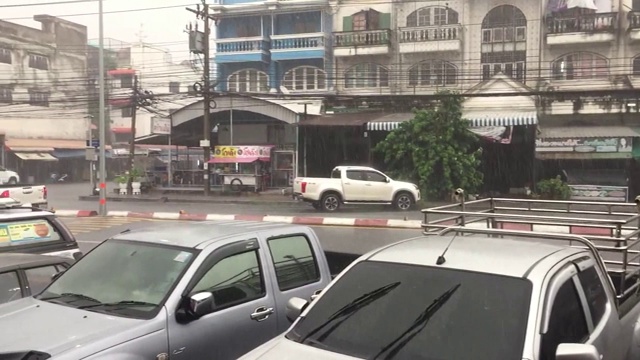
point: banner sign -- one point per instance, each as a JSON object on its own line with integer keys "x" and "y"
{"x": 240, "y": 153}
{"x": 31, "y": 230}
{"x": 599, "y": 193}
{"x": 160, "y": 125}
{"x": 585, "y": 145}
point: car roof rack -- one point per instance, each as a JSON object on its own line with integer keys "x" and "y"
{"x": 611, "y": 231}
{"x": 11, "y": 204}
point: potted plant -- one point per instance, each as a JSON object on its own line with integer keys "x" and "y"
{"x": 121, "y": 180}
{"x": 136, "y": 175}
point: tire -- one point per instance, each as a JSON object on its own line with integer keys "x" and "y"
{"x": 236, "y": 185}
{"x": 12, "y": 181}
{"x": 330, "y": 202}
{"x": 403, "y": 201}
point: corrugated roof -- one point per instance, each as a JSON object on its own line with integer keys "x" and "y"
{"x": 588, "y": 132}
{"x": 45, "y": 144}
{"x": 345, "y": 119}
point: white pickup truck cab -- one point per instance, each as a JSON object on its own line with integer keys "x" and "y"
{"x": 357, "y": 185}
{"x": 8, "y": 176}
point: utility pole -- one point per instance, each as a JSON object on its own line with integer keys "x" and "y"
{"x": 203, "y": 14}
{"x": 102, "y": 166}
{"x": 132, "y": 145}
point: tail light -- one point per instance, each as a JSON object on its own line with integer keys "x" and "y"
{"x": 4, "y": 194}
{"x": 44, "y": 192}
{"x": 303, "y": 186}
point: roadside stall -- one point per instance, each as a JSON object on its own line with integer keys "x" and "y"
{"x": 237, "y": 168}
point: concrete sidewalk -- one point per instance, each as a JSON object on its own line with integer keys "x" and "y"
{"x": 184, "y": 198}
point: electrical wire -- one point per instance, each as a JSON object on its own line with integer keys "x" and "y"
{"x": 47, "y": 3}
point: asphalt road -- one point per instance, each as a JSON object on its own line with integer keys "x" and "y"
{"x": 65, "y": 196}
{"x": 91, "y": 231}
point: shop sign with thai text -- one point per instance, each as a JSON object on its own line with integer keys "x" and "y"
{"x": 585, "y": 145}
{"x": 240, "y": 152}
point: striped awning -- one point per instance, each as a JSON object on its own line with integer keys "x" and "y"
{"x": 513, "y": 118}
{"x": 383, "y": 126}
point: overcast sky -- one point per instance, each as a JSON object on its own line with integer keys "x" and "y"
{"x": 161, "y": 22}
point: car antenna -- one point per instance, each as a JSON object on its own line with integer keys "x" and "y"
{"x": 441, "y": 259}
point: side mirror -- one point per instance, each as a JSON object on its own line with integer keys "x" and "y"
{"x": 577, "y": 352}
{"x": 294, "y": 308}
{"x": 200, "y": 304}
{"x": 388, "y": 180}
{"x": 55, "y": 276}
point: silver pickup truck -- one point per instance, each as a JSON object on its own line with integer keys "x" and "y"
{"x": 184, "y": 291}
{"x": 474, "y": 289}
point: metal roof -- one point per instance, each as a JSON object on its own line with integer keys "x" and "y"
{"x": 472, "y": 253}
{"x": 557, "y": 132}
{"x": 199, "y": 234}
{"x": 9, "y": 261}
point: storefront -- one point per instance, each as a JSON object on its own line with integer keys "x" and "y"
{"x": 596, "y": 166}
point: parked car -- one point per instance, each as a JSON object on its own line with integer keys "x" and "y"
{"x": 469, "y": 297}
{"x": 23, "y": 275}
{"x": 188, "y": 291}
{"x": 25, "y": 229}
{"x": 34, "y": 195}
{"x": 355, "y": 185}
{"x": 8, "y": 176}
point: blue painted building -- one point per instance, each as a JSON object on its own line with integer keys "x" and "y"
{"x": 273, "y": 46}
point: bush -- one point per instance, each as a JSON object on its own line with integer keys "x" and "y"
{"x": 554, "y": 189}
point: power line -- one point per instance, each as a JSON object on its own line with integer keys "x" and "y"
{"x": 107, "y": 12}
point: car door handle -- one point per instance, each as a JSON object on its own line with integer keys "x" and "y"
{"x": 367, "y": 184}
{"x": 347, "y": 183}
{"x": 262, "y": 313}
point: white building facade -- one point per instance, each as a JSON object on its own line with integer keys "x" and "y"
{"x": 43, "y": 96}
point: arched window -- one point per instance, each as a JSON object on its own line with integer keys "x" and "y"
{"x": 636, "y": 66}
{"x": 580, "y": 65}
{"x": 366, "y": 75}
{"x": 248, "y": 80}
{"x": 433, "y": 73}
{"x": 504, "y": 43}
{"x": 305, "y": 78}
{"x": 432, "y": 16}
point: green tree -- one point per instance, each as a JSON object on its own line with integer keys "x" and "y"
{"x": 436, "y": 150}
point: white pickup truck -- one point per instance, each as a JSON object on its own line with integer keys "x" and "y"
{"x": 8, "y": 176}
{"x": 355, "y": 185}
{"x": 35, "y": 195}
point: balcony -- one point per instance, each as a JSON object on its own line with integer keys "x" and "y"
{"x": 366, "y": 42}
{"x": 298, "y": 46}
{"x": 583, "y": 29}
{"x": 242, "y": 49}
{"x": 430, "y": 39}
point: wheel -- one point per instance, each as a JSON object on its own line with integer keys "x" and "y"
{"x": 330, "y": 202}
{"x": 403, "y": 201}
{"x": 316, "y": 205}
{"x": 236, "y": 185}
{"x": 13, "y": 181}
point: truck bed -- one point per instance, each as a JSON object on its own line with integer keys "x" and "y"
{"x": 610, "y": 230}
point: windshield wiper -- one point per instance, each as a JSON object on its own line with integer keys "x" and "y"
{"x": 123, "y": 303}
{"x": 418, "y": 325}
{"x": 349, "y": 309}
{"x": 74, "y": 295}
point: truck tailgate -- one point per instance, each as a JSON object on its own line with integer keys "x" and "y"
{"x": 26, "y": 194}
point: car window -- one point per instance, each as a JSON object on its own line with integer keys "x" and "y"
{"x": 9, "y": 287}
{"x": 40, "y": 277}
{"x": 294, "y": 261}
{"x": 233, "y": 280}
{"x": 335, "y": 174}
{"x": 354, "y": 174}
{"x": 594, "y": 292}
{"x": 567, "y": 323}
{"x": 20, "y": 232}
{"x": 379, "y": 310}
{"x": 374, "y": 176}
{"x": 117, "y": 271}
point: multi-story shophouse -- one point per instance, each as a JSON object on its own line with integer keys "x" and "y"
{"x": 556, "y": 83}
{"x": 43, "y": 97}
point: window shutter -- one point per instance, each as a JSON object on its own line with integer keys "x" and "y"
{"x": 385, "y": 21}
{"x": 347, "y": 23}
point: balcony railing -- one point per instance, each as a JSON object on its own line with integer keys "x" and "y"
{"x": 363, "y": 38}
{"x": 430, "y": 33}
{"x": 242, "y": 45}
{"x": 634, "y": 19}
{"x": 602, "y": 22}
{"x": 298, "y": 41}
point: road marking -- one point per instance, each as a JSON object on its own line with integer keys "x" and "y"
{"x": 91, "y": 224}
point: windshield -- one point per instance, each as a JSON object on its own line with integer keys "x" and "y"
{"x": 396, "y": 311}
{"x": 123, "y": 278}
